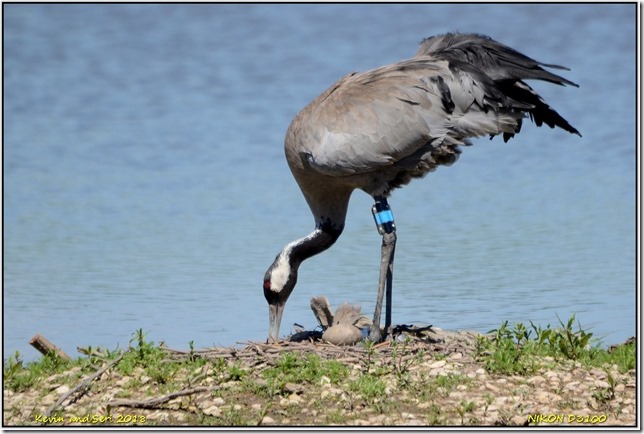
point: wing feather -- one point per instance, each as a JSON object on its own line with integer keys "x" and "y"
{"x": 384, "y": 116}
{"x": 414, "y": 114}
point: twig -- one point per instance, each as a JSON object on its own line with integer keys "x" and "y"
{"x": 84, "y": 385}
{"x": 155, "y": 402}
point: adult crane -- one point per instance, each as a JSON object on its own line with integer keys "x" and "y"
{"x": 377, "y": 130}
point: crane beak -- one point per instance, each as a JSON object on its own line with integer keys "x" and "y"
{"x": 274, "y": 319}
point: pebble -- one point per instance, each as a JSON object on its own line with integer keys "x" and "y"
{"x": 438, "y": 364}
{"x": 572, "y": 385}
{"x": 597, "y": 373}
{"x": 294, "y": 399}
{"x": 267, "y": 420}
{"x": 602, "y": 384}
{"x": 61, "y": 390}
{"x": 492, "y": 388}
{"x": 537, "y": 379}
{"x": 213, "y": 410}
{"x": 123, "y": 381}
{"x": 377, "y": 420}
{"x": 293, "y": 388}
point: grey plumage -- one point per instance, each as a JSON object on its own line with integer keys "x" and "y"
{"x": 377, "y": 130}
{"x": 505, "y": 66}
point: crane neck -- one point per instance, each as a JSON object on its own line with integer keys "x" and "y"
{"x": 316, "y": 242}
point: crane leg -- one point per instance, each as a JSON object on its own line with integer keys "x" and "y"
{"x": 386, "y": 227}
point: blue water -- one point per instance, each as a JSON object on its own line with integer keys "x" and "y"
{"x": 145, "y": 184}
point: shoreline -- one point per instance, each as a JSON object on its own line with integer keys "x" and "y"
{"x": 440, "y": 378}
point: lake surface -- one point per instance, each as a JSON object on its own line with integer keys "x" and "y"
{"x": 145, "y": 184}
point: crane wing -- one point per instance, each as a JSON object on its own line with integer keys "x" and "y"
{"x": 505, "y": 66}
{"x": 401, "y": 114}
{"x": 496, "y": 60}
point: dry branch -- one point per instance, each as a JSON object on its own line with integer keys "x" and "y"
{"x": 45, "y": 347}
{"x": 156, "y": 402}
{"x": 83, "y": 386}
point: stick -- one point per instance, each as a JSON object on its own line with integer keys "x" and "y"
{"x": 83, "y": 385}
{"x": 155, "y": 402}
{"x": 45, "y": 347}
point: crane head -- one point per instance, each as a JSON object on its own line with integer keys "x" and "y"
{"x": 279, "y": 282}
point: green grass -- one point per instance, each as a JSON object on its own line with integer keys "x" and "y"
{"x": 388, "y": 386}
{"x": 297, "y": 368}
{"x": 520, "y": 350}
{"x": 20, "y": 376}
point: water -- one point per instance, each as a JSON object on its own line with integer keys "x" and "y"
{"x": 146, "y": 187}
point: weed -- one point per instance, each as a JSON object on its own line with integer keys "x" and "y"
{"x": 434, "y": 415}
{"x": 336, "y": 417}
{"x": 292, "y": 367}
{"x": 605, "y": 394}
{"x": 367, "y": 362}
{"x": 236, "y": 372}
{"x": 463, "y": 408}
{"x": 371, "y": 389}
{"x": 19, "y": 376}
{"x": 515, "y": 351}
{"x": 403, "y": 359}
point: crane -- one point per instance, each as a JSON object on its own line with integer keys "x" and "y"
{"x": 377, "y": 130}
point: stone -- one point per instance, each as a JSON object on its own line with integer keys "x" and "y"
{"x": 61, "y": 390}
{"x": 267, "y": 420}
{"x": 438, "y": 364}
{"x": 492, "y": 388}
{"x": 537, "y": 379}
{"x": 572, "y": 385}
{"x": 293, "y": 388}
{"x": 600, "y": 374}
{"x": 602, "y": 384}
{"x": 213, "y": 410}
{"x": 519, "y": 420}
{"x": 123, "y": 381}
